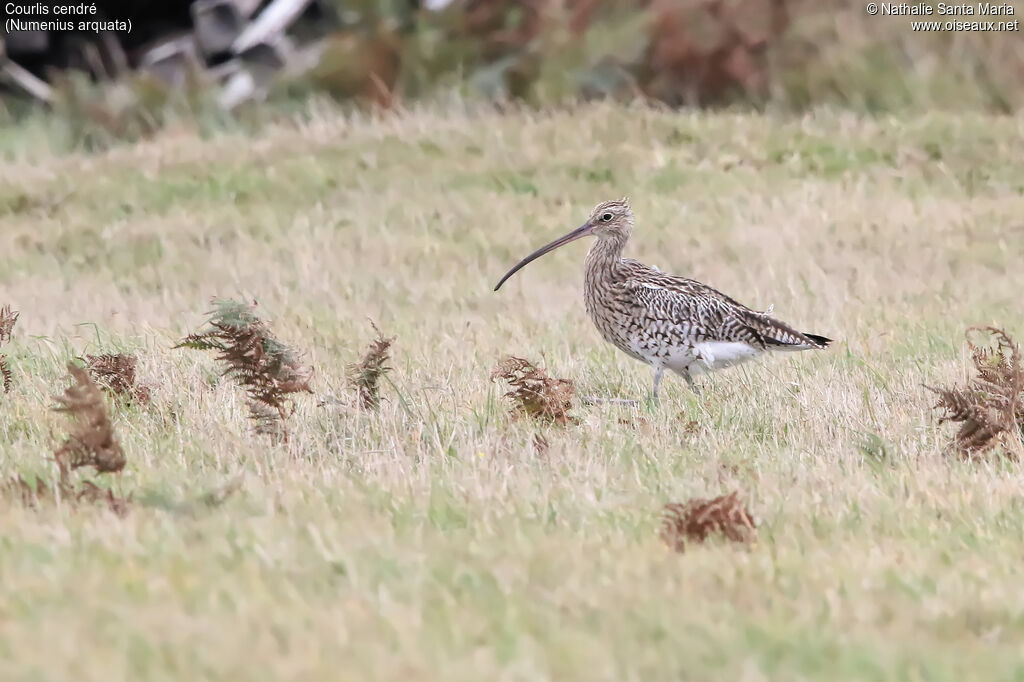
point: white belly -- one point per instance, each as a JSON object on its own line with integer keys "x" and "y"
{"x": 700, "y": 358}
{"x": 712, "y": 355}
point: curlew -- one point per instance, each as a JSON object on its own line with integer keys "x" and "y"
{"x": 666, "y": 321}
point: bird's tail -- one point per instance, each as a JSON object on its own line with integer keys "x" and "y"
{"x": 777, "y": 335}
{"x": 822, "y": 341}
{"x": 780, "y": 336}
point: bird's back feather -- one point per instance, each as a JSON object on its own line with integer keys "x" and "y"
{"x": 711, "y": 315}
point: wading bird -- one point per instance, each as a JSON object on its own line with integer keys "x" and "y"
{"x": 666, "y": 321}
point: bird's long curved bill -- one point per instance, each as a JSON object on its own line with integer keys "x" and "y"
{"x": 581, "y": 231}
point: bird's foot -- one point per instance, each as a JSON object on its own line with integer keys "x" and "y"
{"x": 594, "y": 400}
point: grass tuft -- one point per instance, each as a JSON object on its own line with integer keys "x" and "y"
{"x": 367, "y": 373}
{"x": 990, "y": 408}
{"x": 91, "y": 440}
{"x": 699, "y": 519}
{"x": 534, "y": 393}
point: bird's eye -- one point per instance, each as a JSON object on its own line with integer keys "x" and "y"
{"x": 606, "y": 217}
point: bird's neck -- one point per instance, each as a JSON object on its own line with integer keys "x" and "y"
{"x": 604, "y": 255}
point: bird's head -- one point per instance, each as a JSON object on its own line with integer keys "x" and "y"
{"x": 608, "y": 220}
{"x": 611, "y": 219}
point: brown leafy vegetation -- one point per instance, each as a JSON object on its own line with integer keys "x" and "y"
{"x": 366, "y": 374}
{"x": 990, "y": 408}
{"x": 540, "y": 444}
{"x": 91, "y": 440}
{"x": 7, "y": 322}
{"x": 38, "y": 492}
{"x": 699, "y": 519}
{"x": 269, "y": 370}
{"x": 115, "y": 372}
{"x": 534, "y": 393}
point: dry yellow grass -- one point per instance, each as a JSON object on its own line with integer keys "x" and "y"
{"x": 431, "y": 539}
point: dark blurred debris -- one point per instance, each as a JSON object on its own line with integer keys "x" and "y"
{"x": 178, "y": 42}
{"x": 219, "y": 23}
{"x": 798, "y": 53}
{"x": 682, "y": 52}
{"x": 172, "y": 60}
{"x": 27, "y": 81}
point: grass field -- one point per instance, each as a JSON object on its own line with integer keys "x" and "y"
{"x": 431, "y": 540}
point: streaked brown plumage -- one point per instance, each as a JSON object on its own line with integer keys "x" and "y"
{"x": 666, "y": 321}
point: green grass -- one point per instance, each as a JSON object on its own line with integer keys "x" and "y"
{"x": 430, "y": 540}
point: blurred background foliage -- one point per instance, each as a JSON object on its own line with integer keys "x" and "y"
{"x": 777, "y": 54}
{"x": 788, "y": 53}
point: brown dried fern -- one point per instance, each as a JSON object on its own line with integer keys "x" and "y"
{"x": 35, "y": 493}
{"x": 28, "y": 493}
{"x": 699, "y": 519}
{"x": 91, "y": 440}
{"x": 990, "y": 408}
{"x": 8, "y": 318}
{"x": 5, "y": 372}
{"x": 7, "y": 322}
{"x": 116, "y": 374}
{"x": 366, "y": 374}
{"x": 268, "y": 370}
{"x": 534, "y": 393}
{"x": 89, "y": 492}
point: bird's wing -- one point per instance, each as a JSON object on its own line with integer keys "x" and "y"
{"x": 710, "y": 314}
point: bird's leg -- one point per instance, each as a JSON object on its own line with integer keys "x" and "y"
{"x": 658, "y": 371}
{"x": 652, "y": 399}
{"x": 690, "y": 382}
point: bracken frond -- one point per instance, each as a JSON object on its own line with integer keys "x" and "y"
{"x": 7, "y": 321}
{"x": 91, "y": 440}
{"x": 89, "y": 492}
{"x": 990, "y": 408}
{"x": 534, "y": 393}
{"x": 268, "y": 370}
{"x": 115, "y": 372}
{"x": 35, "y": 493}
{"x": 366, "y": 374}
{"x": 5, "y": 372}
{"x": 699, "y": 519}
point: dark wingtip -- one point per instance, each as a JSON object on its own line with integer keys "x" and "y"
{"x": 822, "y": 341}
